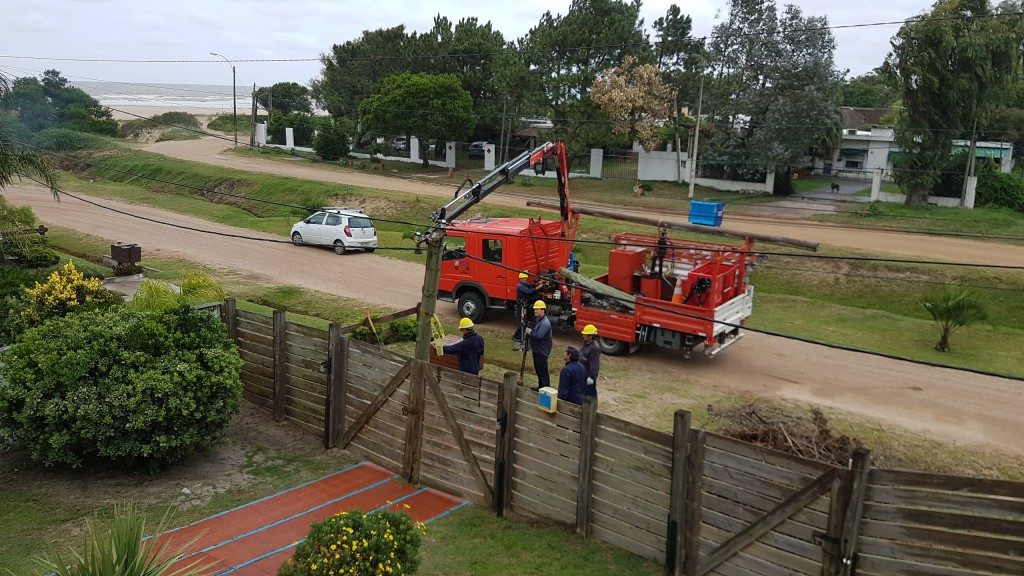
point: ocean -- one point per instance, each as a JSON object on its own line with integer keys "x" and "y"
{"x": 211, "y": 96}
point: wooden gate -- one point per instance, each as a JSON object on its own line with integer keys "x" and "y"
{"x": 431, "y": 424}
{"x": 744, "y": 510}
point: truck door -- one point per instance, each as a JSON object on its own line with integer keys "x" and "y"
{"x": 493, "y": 275}
{"x": 455, "y": 266}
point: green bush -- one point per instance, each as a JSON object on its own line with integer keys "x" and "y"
{"x": 177, "y": 119}
{"x": 403, "y": 330}
{"x": 136, "y": 388}
{"x": 331, "y": 142}
{"x": 37, "y": 256}
{"x": 65, "y": 140}
{"x": 358, "y": 544}
{"x": 196, "y": 288}
{"x": 302, "y": 125}
{"x": 999, "y": 190}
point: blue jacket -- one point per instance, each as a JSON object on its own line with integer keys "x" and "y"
{"x": 526, "y": 293}
{"x": 540, "y": 338}
{"x": 469, "y": 350}
{"x": 572, "y": 382}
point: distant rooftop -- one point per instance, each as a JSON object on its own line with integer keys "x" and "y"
{"x": 863, "y": 118}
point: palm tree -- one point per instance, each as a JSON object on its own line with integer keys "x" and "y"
{"x": 951, "y": 310}
{"x": 16, "y": 162}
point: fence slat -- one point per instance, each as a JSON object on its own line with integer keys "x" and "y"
{"x": 280, "y": 370}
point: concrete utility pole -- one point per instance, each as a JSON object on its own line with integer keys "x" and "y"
{"x": 679, "y": 160}
{"x": 696, "y": 137}
{"x": 234, "y": 96}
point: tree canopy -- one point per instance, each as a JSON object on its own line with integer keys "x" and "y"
{"x": 954, "y": 67}
{"x": 431, "y": 106}
{"x": 40, "y": 103}
{"x": 871, "y": 90}
{"x": 771, "y": 88}
{"x": 286, "y": 97}
{"x": 635, "y": 98}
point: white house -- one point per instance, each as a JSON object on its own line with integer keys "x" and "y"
{"x": 868, "y": 144}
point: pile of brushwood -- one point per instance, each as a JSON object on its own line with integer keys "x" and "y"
{"x": 793, "y": 431}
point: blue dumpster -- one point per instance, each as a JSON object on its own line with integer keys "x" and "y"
{"x": 706, "y": 213}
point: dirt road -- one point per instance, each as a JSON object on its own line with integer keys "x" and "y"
{"x": 948, "y": 405}
{"x": 210, "y": 151}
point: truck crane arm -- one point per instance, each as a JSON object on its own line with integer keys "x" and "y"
{"x": 535, "y": 158}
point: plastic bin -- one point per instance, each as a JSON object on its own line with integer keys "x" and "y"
{"x": 706, "y": 213}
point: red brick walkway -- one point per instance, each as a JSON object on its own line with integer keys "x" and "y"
{"x": 256, "y": 538}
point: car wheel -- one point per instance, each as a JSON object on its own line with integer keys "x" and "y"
{"x": 612, "y": 347}
{"x": 296, "y": 238}
{"x": 369, "y": 250}
{"x": 471, "y": 305}
{"x": 339, "y": 247}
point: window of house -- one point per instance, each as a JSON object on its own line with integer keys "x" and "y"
{"x": 854, "y": 164}
{"x": 492, "y": 250}
{"x": 333, "y": 220}
{"x": 317, "y": 218}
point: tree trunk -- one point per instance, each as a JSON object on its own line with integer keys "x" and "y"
{"x": 943, "y": 344}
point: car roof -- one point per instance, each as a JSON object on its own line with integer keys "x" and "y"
{"x": 345, "y": 211}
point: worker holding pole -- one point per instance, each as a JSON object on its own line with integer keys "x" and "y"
{"x": 469, "y": 350}
{"x": 540, "y": 344}
{"x": 526, "y": 293}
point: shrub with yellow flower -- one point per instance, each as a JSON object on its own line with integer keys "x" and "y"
{"x": 358, "y": 544}
{"x": 66, "y": 290}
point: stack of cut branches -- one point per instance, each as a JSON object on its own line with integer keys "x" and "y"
{"x": 787, "y": 430}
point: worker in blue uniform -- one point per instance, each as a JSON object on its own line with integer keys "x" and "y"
{"x": 469, "y": 350}
{"x": 572, "y": 382}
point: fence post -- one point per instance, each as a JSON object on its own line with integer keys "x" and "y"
{"x": 691, "y": 519}
{"x": 588, "y": 430}
{"x": 414, "y": 422}
{"x": 230, "y": 314}
{"x": 280, "y": 374}
{"x": 860, "y": 467}
{"x": 674, "y": 549}
{"x": 507, "y": 402}
{"x": 337, "y": 386}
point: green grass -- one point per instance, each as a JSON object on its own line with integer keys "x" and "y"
{"x": 224, "y": 123}
{"x": 932, "y": 219}
{"x": 177, "y": 134}
{"x": 471, "y": 542}
{"x": 809, "y": 184}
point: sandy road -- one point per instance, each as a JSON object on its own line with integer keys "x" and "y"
{"x": 210, "y": 151}
{"x": 947, "y": 405}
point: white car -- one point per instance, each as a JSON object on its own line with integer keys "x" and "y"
{"x": 342, "y": 228}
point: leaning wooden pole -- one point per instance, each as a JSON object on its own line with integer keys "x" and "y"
{"x": 780, "y": 240}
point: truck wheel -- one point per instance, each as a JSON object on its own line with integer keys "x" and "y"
{"x": 471, "y": 305}
{"x": 612, "y": 347}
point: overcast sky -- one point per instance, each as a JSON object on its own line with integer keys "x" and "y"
{"x": 190, "y": 29}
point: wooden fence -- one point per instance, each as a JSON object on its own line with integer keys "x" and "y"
{"x": 698, "y": 502}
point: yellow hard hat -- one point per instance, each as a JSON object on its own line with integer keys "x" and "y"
{"x": 539, "y": 305}
{"x": 523, "y": 275}
{"x": 589, "y": 330}
{"x": 465, "y": 324}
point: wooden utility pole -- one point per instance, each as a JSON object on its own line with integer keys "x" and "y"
{"x": 428, "y": 303}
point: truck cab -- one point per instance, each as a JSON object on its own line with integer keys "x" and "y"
{"x": 482, "y": 259}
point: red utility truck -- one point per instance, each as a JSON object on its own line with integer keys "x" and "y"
{"x": 700, "y": 296}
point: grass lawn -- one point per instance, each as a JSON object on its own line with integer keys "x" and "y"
{"x": 932, "y": 219}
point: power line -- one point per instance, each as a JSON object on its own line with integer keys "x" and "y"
{"x": 552, "y": 50}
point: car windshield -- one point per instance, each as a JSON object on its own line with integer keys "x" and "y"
{"x": 358, "y": 222}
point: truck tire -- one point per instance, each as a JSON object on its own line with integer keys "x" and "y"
{"x": 471, "y": 305}
{"x": 612, "y": 347}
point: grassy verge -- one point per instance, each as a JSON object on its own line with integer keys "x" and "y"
{"x": 933, "y": 219}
